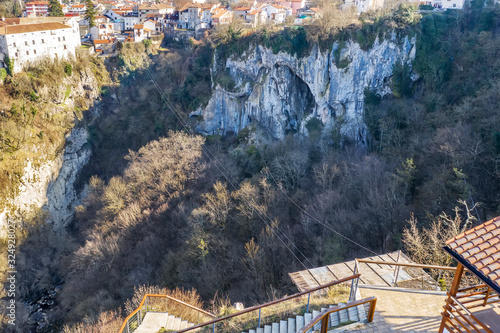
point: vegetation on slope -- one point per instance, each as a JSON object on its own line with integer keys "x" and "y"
{"x": 167, "y": 220}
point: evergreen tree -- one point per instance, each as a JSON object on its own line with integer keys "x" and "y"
{"x": 55, "y": 8}
{"x": 90, "y": 13}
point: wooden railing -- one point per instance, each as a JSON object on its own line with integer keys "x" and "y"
{"x": 149, "y": 303}
{"x": 457, "y": 316}
{"x": 398, "y": 265}
{"x": 324, "y": 316}
{"x": 260, "y": 307}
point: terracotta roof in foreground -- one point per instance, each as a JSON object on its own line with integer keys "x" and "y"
{"x": 479, "y": 250}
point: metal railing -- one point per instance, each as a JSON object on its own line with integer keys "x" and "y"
{"x": 324, "y": 316}
{"x": 260, "y": 307}
{"x": 397, "y": 265}
{"x": 157, "y": 303}
{"x": 457, "y": 315}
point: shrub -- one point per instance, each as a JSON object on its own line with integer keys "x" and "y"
{"x": 9, "y": 65}
{"x": 68, "y": 69}
{"x": 3, "y": 74}
{"x": 147, "y": 43}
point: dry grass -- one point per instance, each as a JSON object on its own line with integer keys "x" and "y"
{"x": 280, "y": 311}
{"x": 162, "y": 304}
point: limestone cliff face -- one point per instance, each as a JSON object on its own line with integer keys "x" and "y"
{"x": 47, "y": 182}
{"x": 282, "y": 92}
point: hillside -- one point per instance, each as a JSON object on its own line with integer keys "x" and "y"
{"x": 232, "y": 212}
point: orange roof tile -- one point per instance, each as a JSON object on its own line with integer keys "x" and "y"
{"x": 38, "y": 3}
{"x": 220, "y": 13}
{"x": 139, "y": 26}
{"x": 479, "y": 248}
{"x": 102, "y": 41}
{"x": 24, "y": 28}
{"x": 242, "y": 8}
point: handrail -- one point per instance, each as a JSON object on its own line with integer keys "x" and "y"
{"x": 163, "y": 296}
{"x": 320, "y": 317}
{"x": 406, "y": 264}
{"x": 451, "y": 301}
{"x": 257, "y": 307}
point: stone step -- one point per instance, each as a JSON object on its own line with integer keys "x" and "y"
{"x": 299, "y": 322}
{"x": 283, "y": 326}
{"x": 267, "y": 329}
{"x": 275, "y": 328}
{"x": 291, "y": 325}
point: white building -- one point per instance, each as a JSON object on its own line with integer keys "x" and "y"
{"x": 446, "y": 4}
{"x": 25, "y": 43}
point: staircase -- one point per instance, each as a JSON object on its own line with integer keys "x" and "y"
{"x": 292, "y": 325}
{"x": 154, "y": 321}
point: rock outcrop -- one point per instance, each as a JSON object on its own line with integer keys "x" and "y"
{"x": 47, "y": 183}
{"x": 283, "y": 93}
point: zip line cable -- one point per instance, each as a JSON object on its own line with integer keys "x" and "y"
{"x": 213, "y": 159}
{"x": 208, "y": 153}
{"x": 317, "y": 220}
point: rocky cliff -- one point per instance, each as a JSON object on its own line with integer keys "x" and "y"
{"x": 283, "y": 93}
{"x": 48, "y": 177}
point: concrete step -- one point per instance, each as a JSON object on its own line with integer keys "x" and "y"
{"x": 275, "y": 328}
{"x": 291, "y": 325}
{"x": 299, "y": 322}
{"x": 267, "y": 329}
{"x": 152, "y": 322}
{"x": 314, "y": 315}
{"x": 283, "y": 326}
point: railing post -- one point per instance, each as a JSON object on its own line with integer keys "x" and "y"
{"x": 354, "y": 283}
{"x": 308, "y": 300}
{"x": 371, "y": 311}
{"x": 128, "y": 326}
{"x": 487, "y": 296}
{"x": 213, "y": 328}
{"x": 396, "y": 271}
{"x": 259, "y": 317}
{"x": 324, "y": 323}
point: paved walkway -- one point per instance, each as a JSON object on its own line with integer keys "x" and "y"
{"x": 403, "y": 311}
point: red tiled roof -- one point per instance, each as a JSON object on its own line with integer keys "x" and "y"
{"x": 38, "y": 3}
{"x": 479, "y": 248}
{"x": 24, "y": 28}
{"x": 102, "y": 41}
{"x": 242, "y": 8}
{"x": 139, "y": 26}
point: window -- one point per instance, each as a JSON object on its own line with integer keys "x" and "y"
{"x": 26, "y": 42}
{"x": 16, "y": 55}
{"x": 64, "y": 38}
{"x": 454, "y": 5}
{"x": 14, "y": 44}
{"x": 27, "y": 52}
{"x": 34, "y": 51}
{"x": 59, "y": 38}
{"x": 33, "y": 42}
{"x": 43, "y": 41}
{"x": 65, "y": 47}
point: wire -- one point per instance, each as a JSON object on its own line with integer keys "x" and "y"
{"x": 317, "y": 220}
{"x": 216, "y": 163}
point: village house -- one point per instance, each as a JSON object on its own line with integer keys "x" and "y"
{"x": 28, "y": 43}
{"x": 78, "y": 8}
{"x": 104, "y": 46}
{"x": 276, "y": 13}
{"x": 37, "y": 8}
{"x": 310, "y": 13}
{"x": 295, "y": 5}
{"x": 256, "y": 17}
{"x": 102, "y": 31}
{"x": 241, "y": 11}
{"x": 446, "y": 4}
{"x": 222, "y": 16}
{"x": 197, "y": 15}
{"x": 129, "y": 20}
{"x": 144, "y": 30}
{"x": 160, "y": 8}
